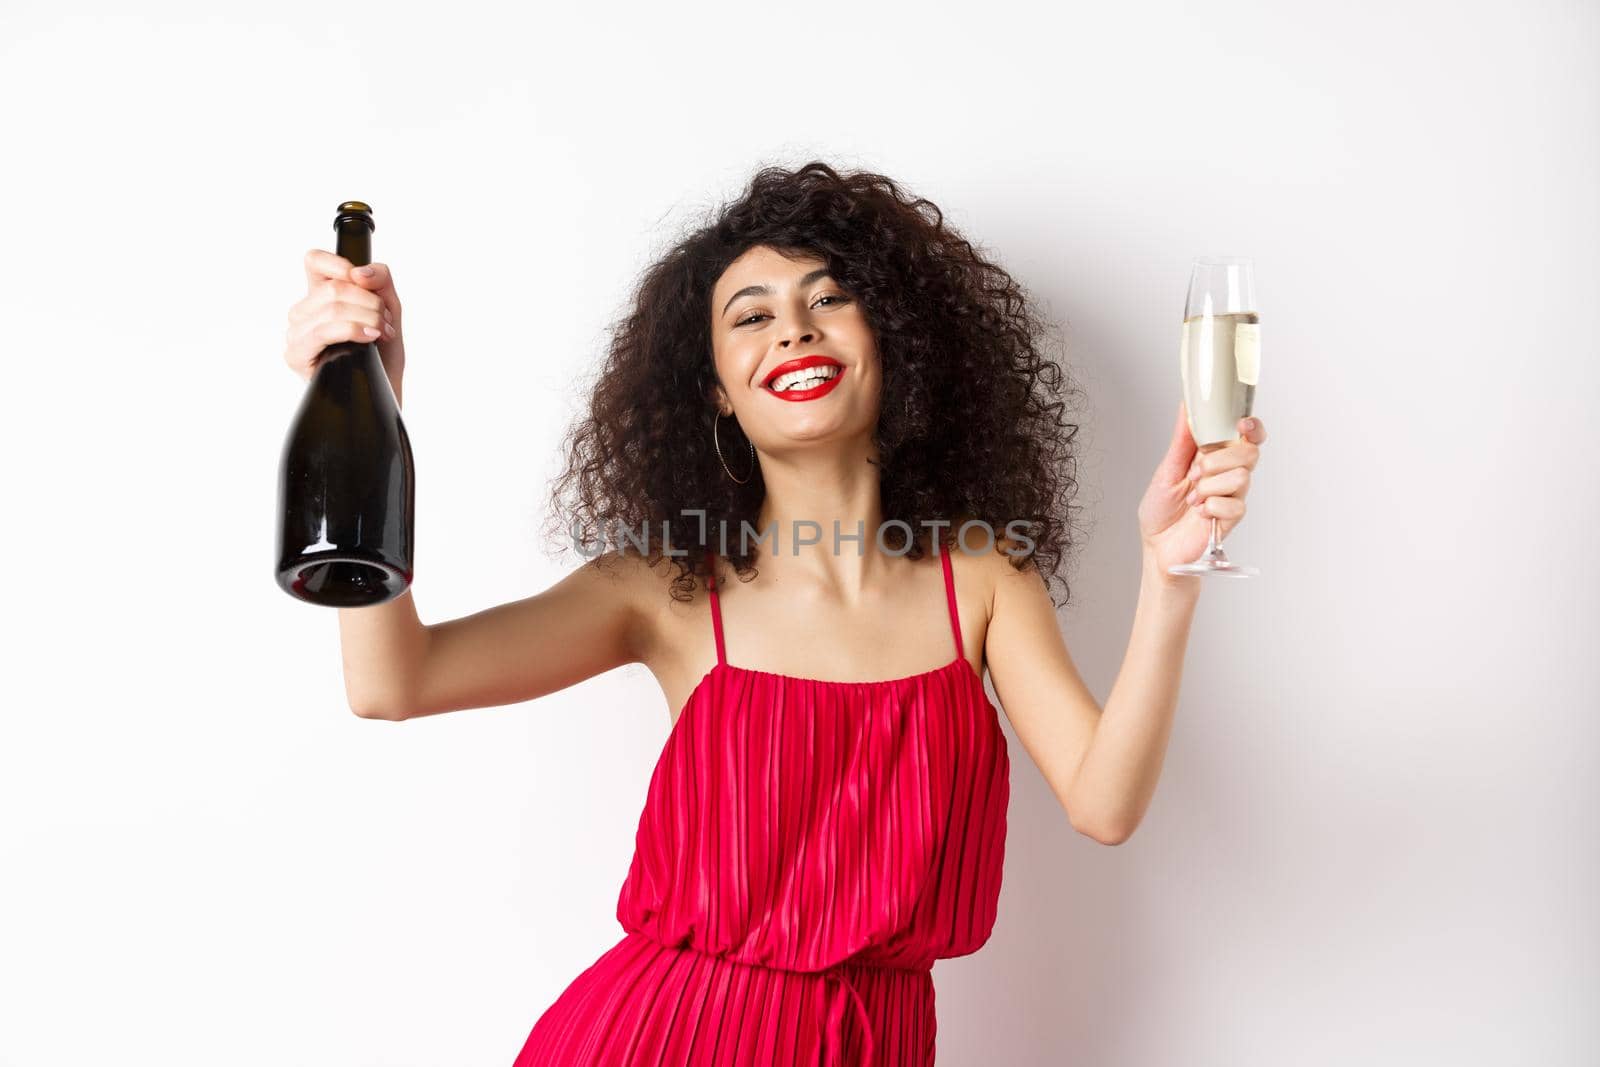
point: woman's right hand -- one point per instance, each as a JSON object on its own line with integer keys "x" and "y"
{"x": 342, "y": 304}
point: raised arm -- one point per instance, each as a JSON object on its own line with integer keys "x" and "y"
{"x": 586, "y": 624}
{"x": 1102, "y": 764}
{"x": 1043, "y": 696}
{"x": 395, "y": 667}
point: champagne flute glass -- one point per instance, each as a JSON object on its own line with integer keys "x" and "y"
{"x": 1220, "y": 357}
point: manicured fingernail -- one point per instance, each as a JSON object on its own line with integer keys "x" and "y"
{"x": 1194, "y": 498}
{"x": 365, "y": 272}
{"x": 370, "y": 332}
{"x": 1249, "y": 424}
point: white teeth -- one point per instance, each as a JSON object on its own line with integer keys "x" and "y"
{"x": 803, "y": 379}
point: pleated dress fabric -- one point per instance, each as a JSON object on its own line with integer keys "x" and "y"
{"x": 807, "y": 849}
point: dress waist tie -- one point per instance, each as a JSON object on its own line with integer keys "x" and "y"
{"x": 838, "y": 998}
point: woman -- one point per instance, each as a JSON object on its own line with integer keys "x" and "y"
{"x": 828, "y": 363}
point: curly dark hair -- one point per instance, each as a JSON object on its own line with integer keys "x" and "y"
{"x": 972, "y": 421}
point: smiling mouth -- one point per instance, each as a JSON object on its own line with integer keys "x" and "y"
{"x": 806, "y": 379}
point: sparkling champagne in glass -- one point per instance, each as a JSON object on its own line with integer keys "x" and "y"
{"x": 1220, "y": 358}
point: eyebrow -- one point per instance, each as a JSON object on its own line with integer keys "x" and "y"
{"x": 765, "y": 290}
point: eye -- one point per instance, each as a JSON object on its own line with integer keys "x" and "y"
{"x": 820, "y": 299}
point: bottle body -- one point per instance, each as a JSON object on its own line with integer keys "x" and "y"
{"x": 346, "y": 478}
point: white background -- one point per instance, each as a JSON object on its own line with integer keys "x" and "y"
{"x": 1375, "y": 838}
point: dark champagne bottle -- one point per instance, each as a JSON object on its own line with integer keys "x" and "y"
{"x": 347, "y": 487}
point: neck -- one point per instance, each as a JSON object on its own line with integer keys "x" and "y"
{"x": 811, "y": 493}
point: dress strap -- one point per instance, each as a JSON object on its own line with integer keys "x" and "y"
{"x": 950, "y": 595}
{"x": 716, "y": 608}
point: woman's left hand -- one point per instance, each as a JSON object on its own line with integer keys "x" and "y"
{"x": 1191, "y": 487}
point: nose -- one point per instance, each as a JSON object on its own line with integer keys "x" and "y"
{"x": 798, "y": 334}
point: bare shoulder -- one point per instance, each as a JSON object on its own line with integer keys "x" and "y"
{"x": 658, "y": 612}
{"x": 986, "y": 560}
{"x": 983, "y": 567}
{"x": 1001, "y": 569}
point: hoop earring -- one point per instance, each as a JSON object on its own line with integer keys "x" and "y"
{"x": 715, "y": 422}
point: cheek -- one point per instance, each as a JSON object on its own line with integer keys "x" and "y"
{"x": 866, "y": 349}
{"x": 738, "y": 359}
{"x": 864, "y": 340}
{"x": 869, "y": 373}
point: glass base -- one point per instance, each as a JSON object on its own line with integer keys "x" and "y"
{"x": 1214, "y": 561}
{"x": 1221, "y": 567}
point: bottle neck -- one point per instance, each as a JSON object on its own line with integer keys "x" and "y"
{"x": 355, "y": 240}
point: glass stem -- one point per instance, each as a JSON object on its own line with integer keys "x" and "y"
{"x": 1214, "y": 549}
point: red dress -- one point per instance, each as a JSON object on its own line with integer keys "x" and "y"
{"x": 807, "y": 850}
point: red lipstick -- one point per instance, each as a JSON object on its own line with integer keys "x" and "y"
{"x": 802, "y": 363}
